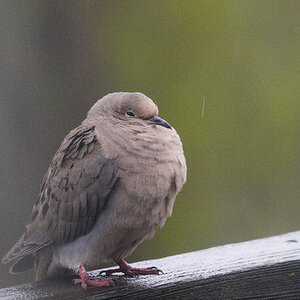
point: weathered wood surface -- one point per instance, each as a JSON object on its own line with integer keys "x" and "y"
{"x": 261, "y": 269}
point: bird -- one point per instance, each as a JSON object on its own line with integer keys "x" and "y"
{"x": 111, "y": 184}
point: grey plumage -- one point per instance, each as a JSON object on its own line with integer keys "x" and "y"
{"x": 111, "y": 183}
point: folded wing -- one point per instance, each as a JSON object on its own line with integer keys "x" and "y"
{"x": 72, "y": 195}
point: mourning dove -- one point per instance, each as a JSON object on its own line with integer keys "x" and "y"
{"x": 111, "y": 184}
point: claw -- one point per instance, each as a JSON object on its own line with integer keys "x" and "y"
{"x": 109, "y": 272}
{"x": 130, "y": 271}
{"x": 84, "y": 280}
{"x": 103, "y": 273}
{"x": 159, "y": 271}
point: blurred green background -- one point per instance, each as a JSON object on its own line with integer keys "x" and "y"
{"x": 239, "y": 57}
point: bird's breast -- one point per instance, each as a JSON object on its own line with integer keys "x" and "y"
{"x": 151, "y": 170}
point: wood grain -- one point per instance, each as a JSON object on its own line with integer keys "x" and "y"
{"x": 266, "y": 269}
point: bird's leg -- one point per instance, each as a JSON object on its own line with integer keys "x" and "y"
{"x": 125, "y": 268}
{"x": 85, "y": 280}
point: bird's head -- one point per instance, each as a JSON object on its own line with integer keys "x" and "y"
{"x": 132, "y": 107}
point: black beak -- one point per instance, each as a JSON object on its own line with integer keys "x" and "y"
{"x": 158, "y": 121}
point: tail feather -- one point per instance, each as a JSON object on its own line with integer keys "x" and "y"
{"x": 22, "y": 265}
{"x": 20, "y": 249}
{"x": 13, "y": 252}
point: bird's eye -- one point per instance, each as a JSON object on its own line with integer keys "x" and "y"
{"x": 130, "y": 113}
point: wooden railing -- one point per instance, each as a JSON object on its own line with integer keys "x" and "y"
{"x": 267, "y": 268}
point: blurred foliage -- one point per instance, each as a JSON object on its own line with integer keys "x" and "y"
{"x": 239, "y": 57}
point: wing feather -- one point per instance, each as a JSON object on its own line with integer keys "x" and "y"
{"x": 72, "y": 194}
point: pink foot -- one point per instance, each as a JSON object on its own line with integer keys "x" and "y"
{"x": 130, "y": 271}
{"x": 85, "y": 280}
